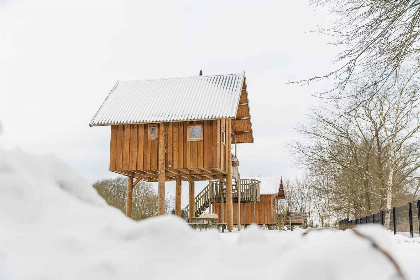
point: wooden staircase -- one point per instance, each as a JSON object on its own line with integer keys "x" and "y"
{"x": 215, "y": 192}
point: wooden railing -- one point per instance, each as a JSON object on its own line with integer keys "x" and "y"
{"x": 296, "y": 217}
{"x": 250, "y": 190}
{"x": 215, "y": 192}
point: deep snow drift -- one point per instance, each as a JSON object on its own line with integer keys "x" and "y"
{"x": 53, "y": 225}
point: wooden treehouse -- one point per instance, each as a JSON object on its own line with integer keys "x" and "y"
{"x": 255, "y": 200}
{"x": 179, "y": 129}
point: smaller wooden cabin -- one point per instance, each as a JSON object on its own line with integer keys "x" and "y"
{"x": 262, "y": 212}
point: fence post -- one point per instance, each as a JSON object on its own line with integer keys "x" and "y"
{"x": 382, "y": 217}
{"x": 373, "y": 218}
{"x": 410, "y": 218}
{"x": 366, "y": 218}
{"x": 418, "y": 212}
{"x": 393, "y": 220}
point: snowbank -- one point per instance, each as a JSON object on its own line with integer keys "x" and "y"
{"x": 53, "y": 225}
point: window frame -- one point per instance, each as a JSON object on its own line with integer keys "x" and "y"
{"x": 149, "y": 134}
{"x": 188, "y": 132}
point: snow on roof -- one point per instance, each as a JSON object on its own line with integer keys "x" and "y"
{"x": 268, "y": 185}
{"x": 177, "y": 99}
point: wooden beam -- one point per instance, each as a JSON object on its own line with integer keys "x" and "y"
{"x": 136, "y": 182}
{"x": 243, "y": 132}
{"x": 186, "y": 172}
{"x": 129, "y": 199}
{"x": 229, "y": 197}
{"x": 161, "y": 170}
{"x": 221, "y": 178}
{"x": 195, "y": 176}
{"x": 191, "y": 213}
{"x": 172, "y": 171}
{"x": 217, "y": 170}
{"x": 178, "y": 197}
{"x": 196, "y": 171}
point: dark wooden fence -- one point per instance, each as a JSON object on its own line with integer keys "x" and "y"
{"x": 404, "y": 218}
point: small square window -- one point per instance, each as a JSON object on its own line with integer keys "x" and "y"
{"x": 153, "y": 132}
{"x": 223, "y": 136}
{"x": 195, "y": 132}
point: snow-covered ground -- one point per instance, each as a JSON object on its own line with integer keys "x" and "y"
{"x": 53, "y": 225}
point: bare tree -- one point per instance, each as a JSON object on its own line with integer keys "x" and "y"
{"x": 378, "y": 36}
{"x": 371, "y": 154}
{"x": 145, "y": 198}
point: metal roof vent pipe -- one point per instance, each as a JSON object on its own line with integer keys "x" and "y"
{"x": 201, "y": 73}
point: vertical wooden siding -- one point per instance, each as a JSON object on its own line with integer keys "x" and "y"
{"x": 131, "y": 148}
{"x": 264, "y": 211}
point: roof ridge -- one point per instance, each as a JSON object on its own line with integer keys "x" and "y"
{"x": 186, "y": 77}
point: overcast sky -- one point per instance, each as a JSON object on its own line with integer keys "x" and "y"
{"x": 59, "y": 60}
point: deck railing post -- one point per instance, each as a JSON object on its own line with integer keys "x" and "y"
{"x": 394, "y": 220}
{"x": 410, "y": 218}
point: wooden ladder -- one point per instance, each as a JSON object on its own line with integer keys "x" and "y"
{"x": 201, "y": 201}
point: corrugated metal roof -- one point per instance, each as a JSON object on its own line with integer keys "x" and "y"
{"x": 268, "y": 185}
{"x": 177, "y": 99}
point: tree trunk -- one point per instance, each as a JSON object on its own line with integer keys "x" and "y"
{"x": 389, "y": 192}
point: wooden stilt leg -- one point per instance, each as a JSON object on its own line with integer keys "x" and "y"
{"x": 210, "y": 197}
{"x": 238, "y": 187}
{"x": 129, "y": 199}
{"x": 161, "y": 171}
{"x": 229, "y": 197}
{"x": 255, "y": 220}
{"x": 191, "y": 213}
{"x": 243, "y": 215}
{"x": 178, "y": 197}
{"x": 222, "y": 206}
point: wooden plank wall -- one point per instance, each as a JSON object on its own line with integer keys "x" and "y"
{"x": 131, "y": 148}
{"x": 265, "y": 211}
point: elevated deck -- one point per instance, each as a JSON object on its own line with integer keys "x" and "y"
{"x": 215, "y": 192}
